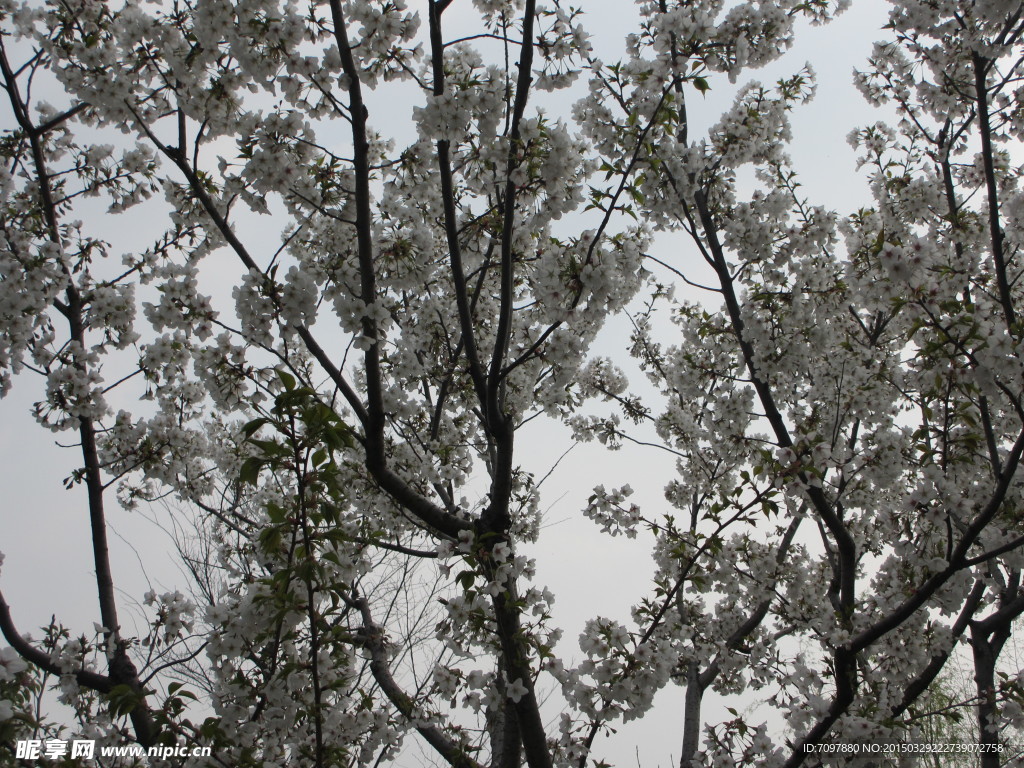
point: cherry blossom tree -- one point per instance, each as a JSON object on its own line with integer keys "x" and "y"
{"x": 346, "y": 418}
{"x": 858, "y": 392}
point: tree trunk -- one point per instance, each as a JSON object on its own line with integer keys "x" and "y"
{"x": 691, "y": 716}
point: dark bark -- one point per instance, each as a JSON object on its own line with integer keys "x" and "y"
{"x": 120, "y": 667}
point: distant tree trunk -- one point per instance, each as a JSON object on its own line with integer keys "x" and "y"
{"x": 988, "y": 636}
{"x": 691, "y": 716}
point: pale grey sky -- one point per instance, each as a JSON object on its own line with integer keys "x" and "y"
{"x": 45, "y": 528}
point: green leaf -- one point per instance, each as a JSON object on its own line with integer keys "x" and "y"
{"x": 250, "y": 472}
{"x": 276, "y": 513}
{"x": 466, "y": 579}
{"x": 338, "y": 437}
{"x": 123, "y": 699}
{"x": 286, "y": 379}
{"x": 254, "y": 426}
{"x": 271, "y": 448}
{"x": 270, "y": 539}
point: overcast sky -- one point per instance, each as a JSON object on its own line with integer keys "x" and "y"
{"x": 45, "y": 534}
